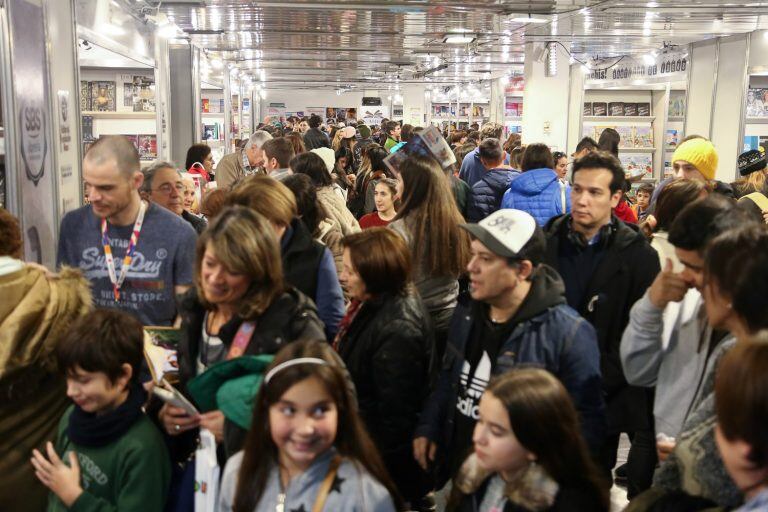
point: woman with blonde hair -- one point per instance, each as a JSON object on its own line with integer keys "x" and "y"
{"x": 307, "y": 264}
{"x": 240, "y": 305}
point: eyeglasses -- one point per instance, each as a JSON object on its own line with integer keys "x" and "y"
{"x": 167, "y": 188}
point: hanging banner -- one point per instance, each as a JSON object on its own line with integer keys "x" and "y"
{"x": 276, "y": 112}
{"x": 373, "y": 116}
{"x": 32, "y": 124}
{"x": 667, "y": 67}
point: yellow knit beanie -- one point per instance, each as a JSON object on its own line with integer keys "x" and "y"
{"x": 700, "y": 153}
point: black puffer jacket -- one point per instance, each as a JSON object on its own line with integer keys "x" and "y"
{"x": 291, "y": 317}
{"x": 388, "y": 350}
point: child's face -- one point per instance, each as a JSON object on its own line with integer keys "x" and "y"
{"x": 303, "y": 423}
{"x": 93, "y": 392}
{"x": 745, "y": 474}
{"x": 496, "y": 446}
{"x": 642, "y": 199}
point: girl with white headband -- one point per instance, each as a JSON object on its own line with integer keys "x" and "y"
{"x": 307, "y": 448}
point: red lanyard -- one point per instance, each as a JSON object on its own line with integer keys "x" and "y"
{"x": 117, "y": 282}
{"x": 241, "y": 340}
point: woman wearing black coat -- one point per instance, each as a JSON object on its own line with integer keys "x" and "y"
{"x": 386, "y": 342}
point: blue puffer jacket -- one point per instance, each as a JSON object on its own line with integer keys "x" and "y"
{"x": 548, "y": 334}
{"x": 487, "y": 193}
{"x": 539, "y": 193}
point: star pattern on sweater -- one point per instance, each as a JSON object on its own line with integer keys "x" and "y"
{"x": 336, "y": 485}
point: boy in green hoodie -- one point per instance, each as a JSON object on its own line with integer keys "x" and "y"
{"x": 108, "y": 456}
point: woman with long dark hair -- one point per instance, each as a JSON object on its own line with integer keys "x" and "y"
{"x": 529, "y": 453}
{"x": 429, "y": 221}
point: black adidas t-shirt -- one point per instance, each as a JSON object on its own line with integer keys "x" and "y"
{"x": 480, "y": 359}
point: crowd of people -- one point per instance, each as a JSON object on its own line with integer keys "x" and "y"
{"x": 360, "y": 336}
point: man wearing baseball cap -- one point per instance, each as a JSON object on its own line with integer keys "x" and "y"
{"x": 516, "y": 315}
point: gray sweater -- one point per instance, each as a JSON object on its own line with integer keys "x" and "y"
{"x": 353, "y": 490}
{"x": 667, "y": 349}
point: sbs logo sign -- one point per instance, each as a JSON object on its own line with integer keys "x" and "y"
{"x": 34, "y": 144}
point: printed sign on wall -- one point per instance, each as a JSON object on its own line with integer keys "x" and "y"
{"x": 33, "y": 141}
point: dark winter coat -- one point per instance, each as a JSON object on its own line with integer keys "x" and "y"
{"x": 549, "y": 334}
{"x": 487, "y": 193}
{"x": 387, "y": 349}
{"x": 627, "y": 268}
{"x": 315, "y": 138}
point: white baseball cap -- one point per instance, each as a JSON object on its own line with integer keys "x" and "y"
{"x": 505, "y": 232}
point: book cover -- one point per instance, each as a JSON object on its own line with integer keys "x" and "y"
{"x": 643, "y": 137}
{"x": 587, "y": 108}
{"x": 672, "y": 138}
{"x": 160, "y": 346}
{"x": 206, "y": 105}
{"x": 147, "y": 147}
{"x": 676, "y": 107}
{"x": 644, "y": 109}
{"x": 637, "y": 165}
{"x": 103, "y": 96}
{"x": 599, "y": 109}
{"x": 630, "y": 109}
{"x": 625, "y": 135}
{"x": 87, "y": 124}
{"x": 128, "y": 94}
{"x": 86, "y": 102}
{"x": 616, "y": 108}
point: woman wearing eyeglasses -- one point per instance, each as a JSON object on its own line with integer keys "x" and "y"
{"x": 163, "y": 185}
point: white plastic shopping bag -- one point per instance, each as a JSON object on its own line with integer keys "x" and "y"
{"x": 206, "y": 474}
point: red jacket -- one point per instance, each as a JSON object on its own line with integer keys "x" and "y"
{"x": 624, "y": 212}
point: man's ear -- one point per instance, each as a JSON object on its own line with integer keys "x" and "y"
{"x": 525, "y": 269}
{"x": 137, "y": 180}
{"x": 616, "y": 197}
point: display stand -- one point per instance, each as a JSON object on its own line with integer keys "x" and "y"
{"x": 513, "y": 106}
{"x": 212, "y": 116}
{"x": 460, "y": 114}
{"x": 756, "y": 113}
{"x": 650, "y": 119}
{"x": 117, "y": 100}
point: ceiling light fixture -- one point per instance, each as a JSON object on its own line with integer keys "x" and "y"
{"x": 529, "y": 19}
{"x": 458, "y": 39}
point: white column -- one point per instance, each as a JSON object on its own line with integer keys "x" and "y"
{"x": 496, "y": 114}
{"x": 545, "y": 100}
{"x": 413, "y": 104}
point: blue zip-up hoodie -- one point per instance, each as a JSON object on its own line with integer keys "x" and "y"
{"x": 549, "y": 335}
{"x": 487, "y": 193}
{"x": 540, "y": 193}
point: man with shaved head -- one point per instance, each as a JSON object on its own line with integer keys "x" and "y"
{"x": 137, "y": 255}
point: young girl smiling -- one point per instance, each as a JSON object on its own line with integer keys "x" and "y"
{"x": 307, "y": 449}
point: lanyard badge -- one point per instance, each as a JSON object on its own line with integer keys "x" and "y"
{"x": 117, "y": 282}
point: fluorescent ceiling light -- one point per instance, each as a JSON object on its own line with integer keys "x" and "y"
{"x": 458, "y": 39}
{"x": 528, "y": 19}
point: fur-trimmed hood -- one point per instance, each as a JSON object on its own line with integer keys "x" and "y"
{"x": 533, "y": 490}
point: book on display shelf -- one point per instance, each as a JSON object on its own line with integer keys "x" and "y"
{"x": 588, "y": 109}
{"x": 672, "y": 139}
{"x": 676, "y": 107}
{"x": 86, "y": 102}
{"x": 599, "y": 108}
{"x": 103, "y": 96}
{"x": 644, "y": 109}
{"x": 147, "y": 146}
{"x": 616, "y": 108}
{"x": 630, "y": 109}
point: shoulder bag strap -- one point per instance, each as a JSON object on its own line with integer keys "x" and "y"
{"x": 325, "y": 487}
{"x": 241, "y": 340}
